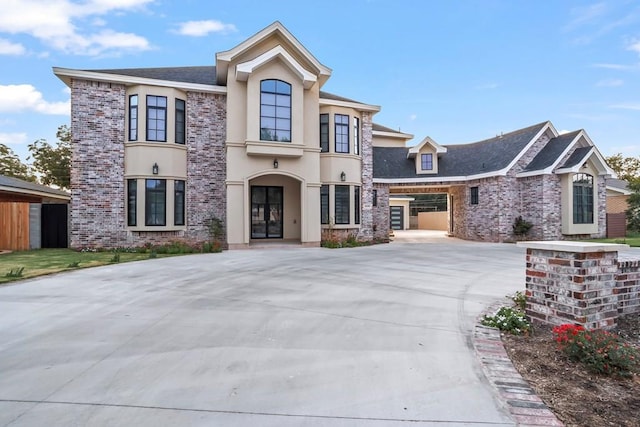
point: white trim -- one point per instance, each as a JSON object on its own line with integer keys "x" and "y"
{"x": 622, "y": 191}
{"x": 547, "y": 126}
{"x": 427, "y": 140}
{"x": 16, "y": 190}
{"x": 66, "y": 74}
{"x": 399, "y": 135}
{"x": 549, "y": 170}
{"x": 354, "y": 105}
{"x": 244, "y": 69}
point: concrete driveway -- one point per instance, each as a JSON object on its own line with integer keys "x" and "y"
{"x": 372, "y": 336}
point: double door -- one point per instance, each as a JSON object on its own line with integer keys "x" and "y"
{"x": 266, "y": 212}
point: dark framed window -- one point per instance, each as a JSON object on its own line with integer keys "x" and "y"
{"x": 324, "y": 133}
{"x": 582, "y": 198}
{"x": 356, "y": 135}
{"x": 474, "y": 195}
{"x": 178, "y": 202}
{"x": 426, "y": 162}
{"x": 356, "y": 205}
{"x": 375, "y": 197}
{"x": 133, "y": 117}
{"x": 155, "y": 202}
{"x": 342, "y": 204}
{"x": 180, "y": 121}
{"x": 342, "y": 133}
{"x": 156, "y": 118}
{"x": 324, "y": 204}
{"x": 132, "y": 201}
{"x": 275, "y": 111}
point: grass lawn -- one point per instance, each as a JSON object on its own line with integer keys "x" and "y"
{"x": 46, "y": 261}
{"x": 632, "y": 239}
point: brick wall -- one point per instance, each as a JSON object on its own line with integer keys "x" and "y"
{"x": 588, "y": 288}
{"x": 540, "y": 201}
{"x": 97, "y": 208}
{"x": 366, "y": 215}
{"x": 617, "y": 204}
{"x": 380, "y": 212}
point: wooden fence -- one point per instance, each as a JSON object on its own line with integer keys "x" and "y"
{"x": 14, "y": 226}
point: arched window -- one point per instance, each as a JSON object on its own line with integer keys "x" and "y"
{"x": 582, "y": 198}
{"x": 275, "y": 111}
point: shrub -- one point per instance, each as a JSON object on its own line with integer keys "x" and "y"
{"x": 521, "y": 227}
{"x": 15, "y": 272}
{"x": 115, "y": 258}
{"x": 520, "y": 300}
{"x": 508, "y": 319}
{"x": 600, "y": 351}
{"x": 73, "y": 264}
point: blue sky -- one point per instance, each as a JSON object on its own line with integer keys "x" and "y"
{"x": 458, "y": 71}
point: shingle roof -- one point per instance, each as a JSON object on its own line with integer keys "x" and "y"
{"x": 550, "y": 153}
{"x": 19, "y": 184}
{"x": 381, "y": 128}
{"x": 617, "y": 183}
{"x": 200, "y": 75}
{"x": 486, "y": 156}
{"x": 576, "y": 157}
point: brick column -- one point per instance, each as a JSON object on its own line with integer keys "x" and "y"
{"x": 572, "y": 282}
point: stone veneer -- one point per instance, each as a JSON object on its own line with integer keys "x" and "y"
{"x": 381, "y": 212}
{"x": 366, "y": 206}
{"x": 584, "y": 283}
{"x": 97, "y": 208}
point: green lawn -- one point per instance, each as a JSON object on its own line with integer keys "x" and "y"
{"x": 632, "y": 239}
{"x": 46, "y": 261}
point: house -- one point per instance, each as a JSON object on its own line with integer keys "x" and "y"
{"x": 254, "y": 143}
{"x": 618, "y": 193}
{"x": 32, "y": 216}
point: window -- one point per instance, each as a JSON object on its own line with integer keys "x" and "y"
{"x": 133, "y": 118}
{"x": 356, "y": 136}
{"x": 324, "y": 133}
{"x": 178, "y": 202}
{"x": 180, "y": 121}
{"x": 342, "y": 133}
{"x": 156, "y": 118}
{"x": 132, "y": 196}
{"x": 155, "y": 202}
{"x": 356, "y": 205}
{"x": 474, "y": 195}
{"x": 324, "y": 204}
{"x": 582, "y": 199}
{"x": 275, "y": 111}
{"x": 426, "y": 161}
{"x": 342, "y": 204}
{"x": 375, "y": 197}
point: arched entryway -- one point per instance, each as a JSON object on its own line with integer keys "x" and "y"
{"x": 275, "y": 209}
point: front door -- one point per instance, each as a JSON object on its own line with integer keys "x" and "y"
{"x": 397, "y": 217}
{"x": 266, "y": 212}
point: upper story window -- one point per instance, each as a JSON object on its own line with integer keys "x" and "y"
{"x": 582, "y": 198}
{"x": 474, "y": 196}
{"x": 156, "y": 118}
{"x": 180, "y": 121}
{"x": 133, "y": 118}
{"x": 275, "y": 111}
{"x": 356, "y": 135}
{"x": 342, "y": 133}
{"x": 324, "y": 133}
{"x": 426, "y": 161}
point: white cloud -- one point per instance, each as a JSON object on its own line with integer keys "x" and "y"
{"x": 15, "y": 138}
{"x": 563, "y": 131}
{"x": 610, "y": 83}
{"x": 487, "y": 86}
{"x": 9, "y": 48}
{"x": 203, "y": 28}
{"x": 19, "y": 98}
{"x": 412, "y": 117}
{"x": 57, "y": 23}
{"x": 612, "y": 66}
{"x": 585, "y": 15}
{"x": 627, "y": 106}
{"x": 634, "y": 46}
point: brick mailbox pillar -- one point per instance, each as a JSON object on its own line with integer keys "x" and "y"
{"x": 572, "y": 282}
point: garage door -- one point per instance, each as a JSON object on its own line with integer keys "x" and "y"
{"x": 397, "y": 217}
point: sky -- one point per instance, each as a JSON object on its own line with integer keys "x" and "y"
{"x": 457, "y": 71}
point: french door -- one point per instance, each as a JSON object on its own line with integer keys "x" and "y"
{"x": 266, "y": 212}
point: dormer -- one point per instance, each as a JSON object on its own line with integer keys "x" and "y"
{"x": 426, "y": 156}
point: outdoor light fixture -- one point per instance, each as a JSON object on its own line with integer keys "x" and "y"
{"x": 275, "y": 163}
{"x": 343, "y": 176}
{"x": 154, "y": 169}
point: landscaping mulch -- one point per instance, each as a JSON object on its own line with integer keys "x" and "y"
{"x": 577, "y": 396}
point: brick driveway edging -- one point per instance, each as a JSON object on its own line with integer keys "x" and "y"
{"x": 514, "y": 392}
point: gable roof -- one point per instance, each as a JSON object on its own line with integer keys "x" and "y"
{"x": 18, "y": 186}
{"x": 551, "y": 152}
{"x": 462, "y": 161}
{"x": 205, "y": 75}
{"x": 618, "y": 186}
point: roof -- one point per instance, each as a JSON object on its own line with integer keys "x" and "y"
{"x": 577, "y": 157}
{"x": 489, "y": 155}
{"x": 550, "y": 153}
{"x": 380, "y": 128}
{"x": 617, "y": 183}
{"x": 199, "y": 74}
{"x": 15, "y": 185}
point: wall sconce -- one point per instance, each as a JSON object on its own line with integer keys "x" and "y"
{"x": 275, "y": 163}
{"x": 343, "y": 176}
{"x": 155, "y": 169}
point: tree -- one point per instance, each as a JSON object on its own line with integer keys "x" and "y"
{"x": 633, "y": 203}
{"x": 53, "y": 164}
{"x": 627, "y": 168}
{"x": 10, "y": 165}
